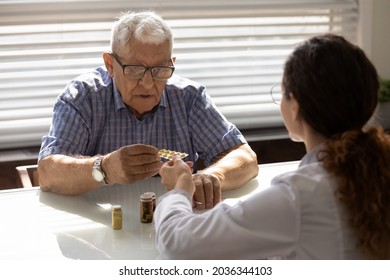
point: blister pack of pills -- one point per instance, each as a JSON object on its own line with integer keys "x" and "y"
{"x": 168, "y": 154}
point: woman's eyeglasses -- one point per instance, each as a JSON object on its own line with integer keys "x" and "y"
{"x": 276, "y": 93}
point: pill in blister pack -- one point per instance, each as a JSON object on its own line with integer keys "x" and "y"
{"x": 168, "y": 154}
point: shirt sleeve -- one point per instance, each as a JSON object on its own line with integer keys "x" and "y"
{"x": 263, "y": 226}
{"x": 69, "y": 130}
{"x": 212, "y": 133}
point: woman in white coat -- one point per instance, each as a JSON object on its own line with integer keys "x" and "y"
{"x": 334, "y": 206}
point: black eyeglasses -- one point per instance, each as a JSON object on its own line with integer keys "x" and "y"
{"x": 136, "y": 72}
{"x": 276, "y": 93}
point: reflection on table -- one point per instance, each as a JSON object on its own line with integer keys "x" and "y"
{"x": 42, "y": 225}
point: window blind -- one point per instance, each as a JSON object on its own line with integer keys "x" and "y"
{"x": 235, "y": 48}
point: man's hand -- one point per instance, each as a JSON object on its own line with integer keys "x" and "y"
{"x": 130, "y": 164}
{"x": 208, "y": 191}
{"x": 231, "y": 169}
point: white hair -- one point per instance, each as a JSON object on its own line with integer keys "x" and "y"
{"x": 145, "y": 27}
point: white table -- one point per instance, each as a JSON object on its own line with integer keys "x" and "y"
{"x": 42, "y": 225}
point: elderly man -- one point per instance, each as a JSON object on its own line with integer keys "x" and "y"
{"x": 108, "y": 125}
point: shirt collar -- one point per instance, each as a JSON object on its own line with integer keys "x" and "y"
{"x": 312, "y": 156}
{"x": 118, "y": 99}
{"x": 163, "y": 100}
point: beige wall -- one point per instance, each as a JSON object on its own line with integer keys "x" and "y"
{"x": 380, "y": 46}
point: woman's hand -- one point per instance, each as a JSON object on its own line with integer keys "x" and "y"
{"x": 177, "y": 174}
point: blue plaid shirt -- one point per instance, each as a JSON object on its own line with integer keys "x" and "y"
{"x": 90, "y": 118}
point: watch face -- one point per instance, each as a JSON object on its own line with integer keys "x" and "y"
{"x": 97, "y": 175}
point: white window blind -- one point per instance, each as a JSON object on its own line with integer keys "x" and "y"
{"x": 235, "y": 48}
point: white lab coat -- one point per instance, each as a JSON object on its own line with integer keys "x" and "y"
{"x": 297, "y": 217}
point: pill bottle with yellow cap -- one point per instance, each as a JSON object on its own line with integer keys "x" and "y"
{"x": 116, "y": 219}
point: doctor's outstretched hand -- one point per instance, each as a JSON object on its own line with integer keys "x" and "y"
{"x": 177, "y": 174}
{"x": 205, "y": 189}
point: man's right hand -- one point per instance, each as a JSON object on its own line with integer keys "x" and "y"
{"x": 130, "y": 164}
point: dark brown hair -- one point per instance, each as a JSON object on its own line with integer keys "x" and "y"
{"x": 336, "y": 87}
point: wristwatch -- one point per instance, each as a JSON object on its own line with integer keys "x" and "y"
{"x": 97, "y": 172}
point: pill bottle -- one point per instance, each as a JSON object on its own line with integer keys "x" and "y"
{"x": 153, "y": 199}
{"x": 116, "y": 216}
{"x": 146, "y": 207}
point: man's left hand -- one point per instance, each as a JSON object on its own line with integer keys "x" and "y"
{"x": 207, "y": 191}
